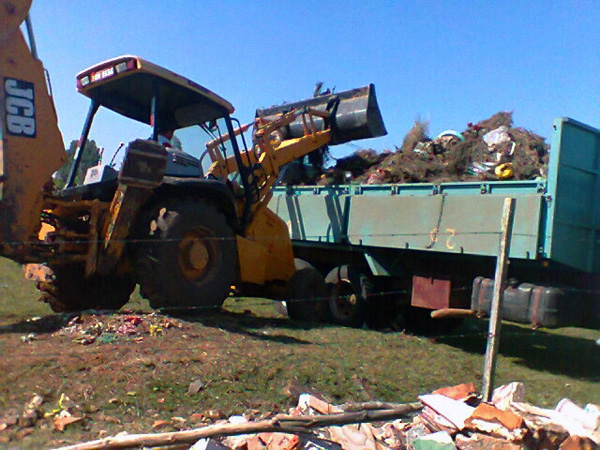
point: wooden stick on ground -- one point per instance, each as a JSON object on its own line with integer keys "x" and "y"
{"x": 279, "y": 423}
{"x": 452, "y": 313}
{"x": 374, "y": 405}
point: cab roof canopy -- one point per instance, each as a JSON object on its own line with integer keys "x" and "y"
{"x": 127, "y": 85}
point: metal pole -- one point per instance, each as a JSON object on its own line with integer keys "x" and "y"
{"x": 31, "y": 36}
{"x": 493, "y": 342}
{"x": 81, "y": 144}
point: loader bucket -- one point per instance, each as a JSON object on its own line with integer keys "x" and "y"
{"x": 354, "y": 115}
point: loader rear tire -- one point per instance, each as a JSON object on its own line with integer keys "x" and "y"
{"x": 69, "y": 290}
{"x": 307, "y": 296}
{"x": 188, "y": 258}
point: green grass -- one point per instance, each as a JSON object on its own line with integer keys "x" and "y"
{"x": 251, "y": 360}
{"x": 18, "y": 296}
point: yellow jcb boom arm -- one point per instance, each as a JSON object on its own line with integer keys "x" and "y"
{"x": 264, "y": 250}
{"x": 31, "y": 149}
{"x": 283, "y": 134}
{"x": 269, "y": 153}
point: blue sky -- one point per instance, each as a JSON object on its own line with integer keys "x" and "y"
{"x": 446, "y": 62}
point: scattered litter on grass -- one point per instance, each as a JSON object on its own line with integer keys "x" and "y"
{"x": 28, "y": 337}
{"x": 492, "y": 149}
{"x": 453, "y": 417}
{"x": 196, "y": 386}
{"x": 64, "y": 420}
{"x": 97, "y": 328}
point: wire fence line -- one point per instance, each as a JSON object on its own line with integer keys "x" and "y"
{"x": 260, "y": 327}
{"x": 272, "y": 330}
{"x": 258, "y": 238}
{"x": 370, "y": 295}
{"x": 321, "y": 238}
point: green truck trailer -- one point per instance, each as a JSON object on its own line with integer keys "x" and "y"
{"x": 398, "y": 251}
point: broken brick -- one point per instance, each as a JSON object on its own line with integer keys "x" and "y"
{"x": 458, "y": 392}
{"x": 283, "y": 441}
{"x": 489, "y": 413}
{"x": 577, "y": 443}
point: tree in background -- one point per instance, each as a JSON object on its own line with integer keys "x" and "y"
{"x": 90, "y": 158}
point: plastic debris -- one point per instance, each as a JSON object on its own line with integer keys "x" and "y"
{"x": 98, "y": 328}
{"x": 434, "y": 441}
{"x": 451, "y": 133}
{"x": 496, "y": 137}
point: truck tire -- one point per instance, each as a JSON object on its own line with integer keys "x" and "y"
{"x": 66, "y": 289}
{"x": 188, "y": 256}
{"x": 348, "y": 290}
{"x": 307, "y": 296}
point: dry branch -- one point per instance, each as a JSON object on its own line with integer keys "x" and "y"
{"x": 374, "y": 405}
{"x": 279, "y": 423}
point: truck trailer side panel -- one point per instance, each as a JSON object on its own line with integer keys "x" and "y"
{"x": 451, "y": 231}
{"x": 573, "y": 223}
{"x": 557, "y": 218}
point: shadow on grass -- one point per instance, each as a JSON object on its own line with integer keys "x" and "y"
{"x": 46, "y": 324}
{"x": 250, "y": 325}
{"x": 239, "y": 323}
{"x": 577, "y": 357}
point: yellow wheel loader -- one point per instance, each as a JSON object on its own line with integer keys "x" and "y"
{"x": 186, "y": 215}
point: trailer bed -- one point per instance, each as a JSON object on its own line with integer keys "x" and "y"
{"x": 556, "y": 218}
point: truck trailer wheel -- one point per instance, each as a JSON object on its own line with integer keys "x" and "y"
{"x": 347, "y": 289}
{"x": 188, "y": 257}
{"x": 307, "y": 296}
{"x": 65, "y": 289}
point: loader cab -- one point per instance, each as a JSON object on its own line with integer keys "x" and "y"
{"x": 143, "y": 92}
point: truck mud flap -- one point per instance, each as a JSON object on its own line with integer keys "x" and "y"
{"x": 354, "y": 113}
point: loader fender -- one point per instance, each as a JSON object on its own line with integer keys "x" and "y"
{"x": 215, "y": 191}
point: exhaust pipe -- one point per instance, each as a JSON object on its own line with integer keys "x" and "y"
{"x": 355, "y": 115}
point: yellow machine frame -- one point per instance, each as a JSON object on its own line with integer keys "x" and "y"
{"x": 265, "y": 251}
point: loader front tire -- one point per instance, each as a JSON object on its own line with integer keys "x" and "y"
{"x": 188, "y": 258}
{"x": 67, "y": 289}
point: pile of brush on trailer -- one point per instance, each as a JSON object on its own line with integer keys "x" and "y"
{"x": 492, "y": 149}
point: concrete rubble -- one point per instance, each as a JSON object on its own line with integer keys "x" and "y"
{"x": 450, "y": 418}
